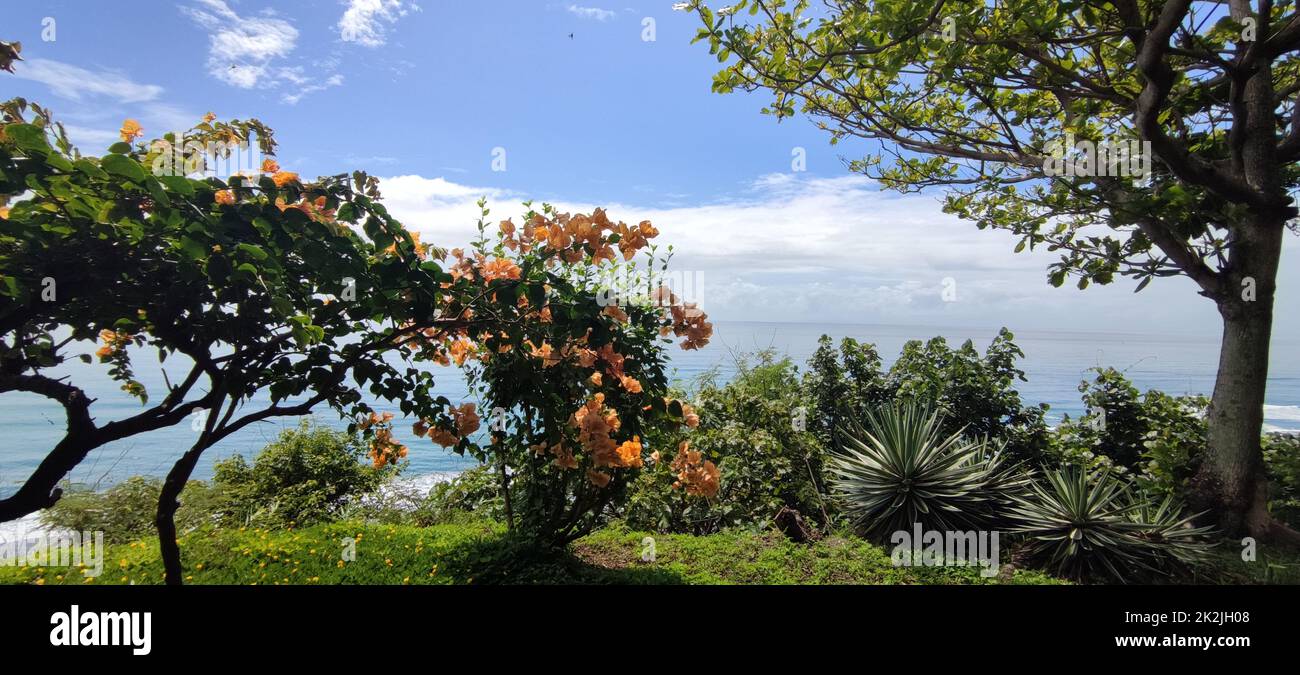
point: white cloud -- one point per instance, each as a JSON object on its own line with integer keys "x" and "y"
{"x": 242, "y": 51}
{"x": 308, "y": 87}
{"x": 791, "y": 248}
{"x": 75, "y": 82}
{"x": 590, "y": 12}
{"x": 366, "y": 22}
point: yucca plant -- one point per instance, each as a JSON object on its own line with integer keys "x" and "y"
{"x": 1090, "y": 527}
{"x": 899, "y": 469}
{"x": 1182, "y": 546}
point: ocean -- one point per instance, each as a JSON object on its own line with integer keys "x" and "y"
{"x": 1054, "y": 364}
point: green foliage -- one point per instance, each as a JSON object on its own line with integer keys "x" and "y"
{"x": 1090, "y": 526}
{"x": 1282, "y": 462}
{"x": 305, "y": 476}
{"x": 901, "y": 468}
{"x": 125, "y": 512}
{"x": 474, "y": 492}
{"x": 975, "y": 392}
{"x": 755, "y": 429}
{"x": 1157, "y": 437}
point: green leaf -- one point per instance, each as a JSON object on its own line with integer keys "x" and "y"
{"x": 123, "y": 166}
{"x": 28, "y": 137}
{"x": 178, "y": 184}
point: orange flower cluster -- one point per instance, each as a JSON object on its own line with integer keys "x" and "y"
{"x": 689, "y": 320}
{"x": 283, "y": 178}
{"x": 689, "y": 417}
{"x": 563, "y": 455}
{"x": 383, "y": 449}
{"x": 488, "y": 269}
{"x": 465, "y": 418}
{"x": 130, "y": 130}
{"x": 699, "y": 477}
{"x": 546, "y": 353}
{"x": 632, "y": 239}
{"x": 596, "y": 425}
{"x": 460, "y": 350}
{"x": 315, "y": 209}
{"x": 224, "y": 197}
{"x": 631, "y": 384}
{"x": 574, "y": 236}
{"x": 113, "y": 343}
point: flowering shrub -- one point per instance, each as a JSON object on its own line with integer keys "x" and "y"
{"x": 569, "y": 385}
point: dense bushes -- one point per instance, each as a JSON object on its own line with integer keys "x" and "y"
{"x": 755, "y": 429}
{"x": 1155, "y": 436}
{"x": 1282, "y": 461}
{"x": 125, "y": 512}
{"x": 304, "y": 476}
{"x": 975, "y": 392}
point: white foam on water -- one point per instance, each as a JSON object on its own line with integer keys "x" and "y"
{"x": 1289, "y": 413}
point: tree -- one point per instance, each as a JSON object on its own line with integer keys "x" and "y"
{"x": 1140, "y": 139}
{"x": 281, "y": 294}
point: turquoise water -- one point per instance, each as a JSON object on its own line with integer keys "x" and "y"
{"x": 1054, "y": 364}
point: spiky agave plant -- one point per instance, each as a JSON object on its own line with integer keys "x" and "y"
{"x": 1180, "y": 546}
{"x": 1089, "y": 526}
{"x": 898, "y": 469}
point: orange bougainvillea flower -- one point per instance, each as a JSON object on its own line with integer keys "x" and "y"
{"x": 631, "y": 384}
{"x": 4, "y": 213}
{"x": 598, "y": 478}
{"x": 131, "y": 130}
{"x": 114, "y": 342}
{"x": 616, "y": 312}
{"x": 209, "y": 117}
{"x": 283, "y": 178}
{"x": 499, "y": 268}
{"x": 564, "y": 456}
{"x": 596, "y": 380}
{"x": 460, "y": 350}
{"x": 546, "y": 353}
{"x": 698, "y": 476}
{"x": 225, "y": 197}
{"x": 467, "y": 419}
{"x": 269, "y": 165}
{"x": 629, "y": 453}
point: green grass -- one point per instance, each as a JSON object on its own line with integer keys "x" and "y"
{"x": 482, "y": 553}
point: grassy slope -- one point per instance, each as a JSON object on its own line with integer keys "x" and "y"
{"x": 479, "y": 553}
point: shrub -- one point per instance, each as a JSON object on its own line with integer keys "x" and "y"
{"x": 1088, "y": 526}
{"x": 901, "y": 469}
{"x": 975, "y": 392}
{"x": 304, "y": 476}
{"x": 1157, "y": 436}
{"x": 125, "y": 512}
{"x": 755, "y": 429}
{"x": 1282, "y": 462}
{"x": 473, "y": 493}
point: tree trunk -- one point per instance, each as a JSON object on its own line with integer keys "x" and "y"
{"x": 168, "y": 503}
{"x": 1230, "y": 485}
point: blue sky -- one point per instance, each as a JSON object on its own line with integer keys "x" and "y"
{"x": 423, "y": 93}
